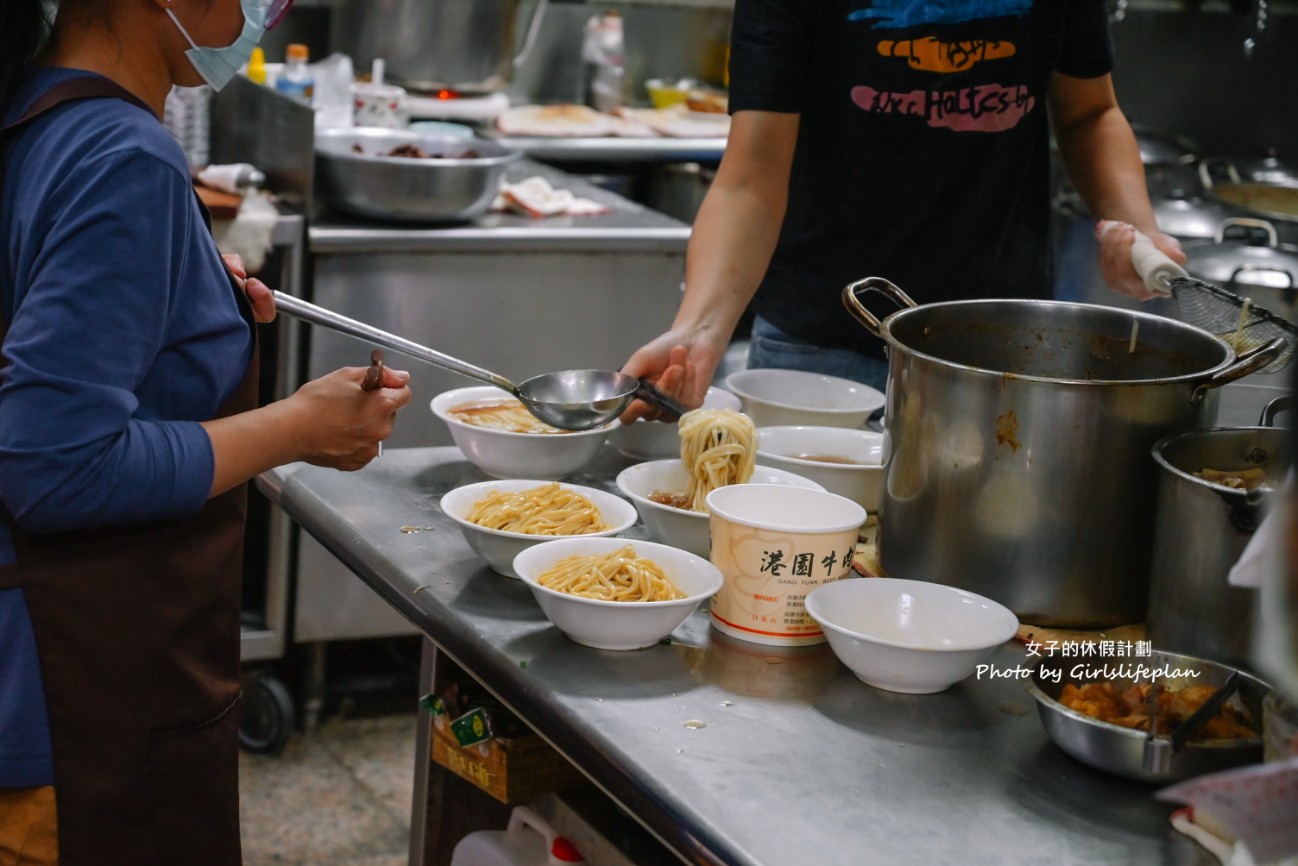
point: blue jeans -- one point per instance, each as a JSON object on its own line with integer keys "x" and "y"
{"x": 772, "y": 348}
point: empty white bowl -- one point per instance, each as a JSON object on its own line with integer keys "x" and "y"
{"x": 781, "y": 397}
{"x": 655, "y": 440}
{"x": 501, "y": 454}
{"x": 498, "y": 547}
{"x": 844, "y": 461}
{"x": 687, "y": 530}
{"x": 909, "y": 635}
{"x": 618, "y": 625}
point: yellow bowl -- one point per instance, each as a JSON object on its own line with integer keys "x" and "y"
{"x": 665, "y": 93}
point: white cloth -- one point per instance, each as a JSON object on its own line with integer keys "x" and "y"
{"x": 249, "y": 233}
{"x": 535, "y": 197}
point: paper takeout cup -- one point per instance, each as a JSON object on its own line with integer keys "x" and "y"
{"x": 773, "y": 545}
{"x": 382, "y": 105}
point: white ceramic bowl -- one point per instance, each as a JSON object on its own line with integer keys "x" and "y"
{"x": 498, "y": 547}
{"x": 909, "y": 635}
{"x": 860, "y": 480}
{"x": 781, "y": 397}
{"x": 501, "y": 454}
{"x": 655, "y": 440}
{"x": 618, "y": 625}
{"x": 687, "y": 530}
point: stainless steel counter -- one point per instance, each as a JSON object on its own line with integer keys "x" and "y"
{"x": 629, "y": 227}
{"x": 798, "y": 762}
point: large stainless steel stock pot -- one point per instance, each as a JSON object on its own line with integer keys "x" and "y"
{"x": 1019, "y": 436}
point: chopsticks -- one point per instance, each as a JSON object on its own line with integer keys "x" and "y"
{"x": 374, "y": 379}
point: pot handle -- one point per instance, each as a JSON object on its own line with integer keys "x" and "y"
{"x": 1249, "y": 225}
{"x": 852, "y": 300}
{"x": 1248, "y": 362}
{"x": 1253, "y": 269}
{"x": 1205, "y": 171}
{"x": 1274, "y": 408}
{"x": 533, "y": 27}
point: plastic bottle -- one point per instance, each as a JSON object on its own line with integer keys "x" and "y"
{"x": 529, "y": 841}
{"x": 295, "y": 80}
{"x": 602, "y": 49}
{"x": 257, "y": 66}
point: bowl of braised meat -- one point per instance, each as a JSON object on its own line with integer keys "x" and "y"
{"x": 403, "y": 175}
{"x": 1098, "y": 709}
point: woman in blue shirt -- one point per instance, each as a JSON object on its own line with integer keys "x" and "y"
{"x": 129, "y": 427}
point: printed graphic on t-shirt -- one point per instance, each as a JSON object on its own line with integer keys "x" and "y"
{"x": 912, "y": 13}
{"x": 990, "y": 107}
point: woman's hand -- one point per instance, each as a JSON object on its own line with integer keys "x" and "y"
{"x": 340, "y": 424}
{"x": 1116, "y": 239}
{"x": 259, "y": 294}
{"x": 680, "y": 363}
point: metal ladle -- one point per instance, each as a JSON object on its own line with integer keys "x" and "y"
{"x": 568, "y": 399}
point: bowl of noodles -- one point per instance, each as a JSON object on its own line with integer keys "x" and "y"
{"x": 499, "y": 436}
{"x": 616, "y": 593}
{"x": 500, "y": 519}
{"x": 718, "y": 448}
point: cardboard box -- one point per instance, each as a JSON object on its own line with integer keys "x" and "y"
{"x": 513, "y": 769}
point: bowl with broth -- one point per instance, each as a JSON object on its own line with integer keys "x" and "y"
{"x": 774, "y": 397}
{"x": 842, "y": 460}
{"x": 500, "y": 437}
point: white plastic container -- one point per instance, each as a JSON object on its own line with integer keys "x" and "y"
{"x": 529, "y": 841}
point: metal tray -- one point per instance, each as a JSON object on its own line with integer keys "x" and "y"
{"x": 1123, "y": 751}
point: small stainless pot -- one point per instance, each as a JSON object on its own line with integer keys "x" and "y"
{"x": 1200, "y": 531}
{"x": 1275, "y": 202}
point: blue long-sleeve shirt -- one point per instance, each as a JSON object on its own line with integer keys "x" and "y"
{"x": 124, "y": 334}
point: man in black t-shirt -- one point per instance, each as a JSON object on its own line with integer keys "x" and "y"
{"x": 907, "y": 139}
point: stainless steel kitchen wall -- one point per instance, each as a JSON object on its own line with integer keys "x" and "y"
{"x": 1185, "y": 72}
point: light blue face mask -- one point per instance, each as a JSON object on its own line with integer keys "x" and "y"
{"x": 219, "y": 65}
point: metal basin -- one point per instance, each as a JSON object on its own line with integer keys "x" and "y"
{"x": 456, "y": 185}
{"x": 1119, "y": 750}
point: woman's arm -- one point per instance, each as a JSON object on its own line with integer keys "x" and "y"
{"x": 730, "y": 248}
{"x": 1102, "y": 158}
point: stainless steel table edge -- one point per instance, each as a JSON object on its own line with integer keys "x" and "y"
{"x": 617, "y": 149}
{"x": 639, "y": 801}
{"x": 589, "y": 237}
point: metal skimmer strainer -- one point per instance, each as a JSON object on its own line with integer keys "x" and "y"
{"x": 1235, "y": 319}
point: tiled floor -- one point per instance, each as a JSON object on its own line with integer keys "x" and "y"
{"x": 340, "y": 795}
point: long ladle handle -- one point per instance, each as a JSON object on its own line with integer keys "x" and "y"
{"x": 309, "y": 312}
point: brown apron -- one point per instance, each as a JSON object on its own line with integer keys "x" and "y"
{"x": 137, "y": 629}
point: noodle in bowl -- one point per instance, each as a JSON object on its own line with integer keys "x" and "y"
{"x": 687, "y": 530}
{"x": 618, "y": 625}
{"x": 498, "y": 547}
{"x": 501, "y": 453}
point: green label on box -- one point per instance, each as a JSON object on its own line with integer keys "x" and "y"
{"x": 472, "y": 727}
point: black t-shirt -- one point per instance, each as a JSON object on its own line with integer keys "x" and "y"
{"x": 923, "y": 145}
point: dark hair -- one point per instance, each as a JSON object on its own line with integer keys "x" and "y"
{"x": 25, "y": 24}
